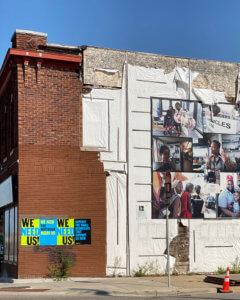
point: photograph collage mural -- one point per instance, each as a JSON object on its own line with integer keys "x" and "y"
{"x": 200, "y": 145}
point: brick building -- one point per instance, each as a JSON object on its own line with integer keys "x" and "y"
{"x": 41, "y": 161}
{"x": 80, "y": 131}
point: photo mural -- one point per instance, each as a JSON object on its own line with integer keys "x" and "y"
{"x": 200, "y": 145}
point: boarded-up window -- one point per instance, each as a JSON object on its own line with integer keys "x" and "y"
{"x": 95, "y": 123}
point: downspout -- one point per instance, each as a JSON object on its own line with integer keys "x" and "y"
{"x": 127, "y": 179}
{"x": 81, "y": 71}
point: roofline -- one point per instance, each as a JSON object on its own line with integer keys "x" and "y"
{"x": 41, "y": 55}
{"x": 45, "y": 55}
{"x": 62, "y": 46}
{"x": 73, "y": 60}
{"x": 161, "y": 55}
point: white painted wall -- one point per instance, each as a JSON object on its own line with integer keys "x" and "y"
{"x": 126, "y": 154}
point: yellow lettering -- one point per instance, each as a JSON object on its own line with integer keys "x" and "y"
{"x": 45, "y": 232}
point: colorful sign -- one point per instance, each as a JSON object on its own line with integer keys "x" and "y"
{"x": 53, "y": 232}
{"x": 82, "y": 232}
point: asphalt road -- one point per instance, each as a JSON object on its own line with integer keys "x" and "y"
{"x": 67, "y": 297}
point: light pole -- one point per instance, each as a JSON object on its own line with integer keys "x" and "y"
{"x": 168, "y": 195}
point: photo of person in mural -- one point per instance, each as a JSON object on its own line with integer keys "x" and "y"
{"x": 222, "y": 153}
{"x": 236, "y": 207}
{"x": 175, "y": 200}
{"x": 165, "y": 162}
{"x": 181, "y": 118}
{"x": 173, "y": 154}
{"x": 159, "y": 201}
{"x": 168, "y": 123}
{"x": 187, "y": 200}
{"x": 215, "y": 160}
{"x": 197, "y": 203}
{"x": 159, "y": 205}
{"x": 186, "y": 205}
{"x": 178, "y": 118}
{"x": 221, "y": 118}
{"x": 228, "y": 200}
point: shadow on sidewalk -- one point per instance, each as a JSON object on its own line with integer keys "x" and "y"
{"x": 96, "y": 292}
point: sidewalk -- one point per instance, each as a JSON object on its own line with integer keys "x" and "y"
{"x": 119, "y": 286}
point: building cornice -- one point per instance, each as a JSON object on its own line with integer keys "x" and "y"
{"x": 67, "y": 60}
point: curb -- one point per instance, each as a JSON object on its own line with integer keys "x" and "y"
{"x": 145, "y": 293}
{"x": 42, "y": 280}
{"x": 166, "y": 292}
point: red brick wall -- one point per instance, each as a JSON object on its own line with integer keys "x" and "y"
{"x": 28, "y": 41}
{"x": 56, "y": 179}
{"x": 49, "y": 105}
{"x": 62, "y": 182}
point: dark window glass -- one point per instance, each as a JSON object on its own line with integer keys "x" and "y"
{"x": 15, "y": 234}
{"x": 12, "y": 123}
{"x": 11, "y": 234}
{"x": 5, "y": 133}
{"x": 6, "y": 235}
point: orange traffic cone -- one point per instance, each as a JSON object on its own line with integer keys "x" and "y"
{"x": 225, "y": 288}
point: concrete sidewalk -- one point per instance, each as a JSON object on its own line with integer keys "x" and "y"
{"x": 119, "y": 286}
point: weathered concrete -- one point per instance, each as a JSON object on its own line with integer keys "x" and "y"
{"x": 214, "y": 75}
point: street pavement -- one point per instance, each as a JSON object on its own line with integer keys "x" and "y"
{"x": 182, "y": 286}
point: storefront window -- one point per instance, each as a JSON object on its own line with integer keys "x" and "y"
{"x": 10, "y": 234}
{"x": 15, "y": 235}
{"x": 6, "y": 235}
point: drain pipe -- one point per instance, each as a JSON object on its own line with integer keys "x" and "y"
{"x": 127, "y": 175}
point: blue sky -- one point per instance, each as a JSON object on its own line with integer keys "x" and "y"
{"x": 204, "y": 29}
